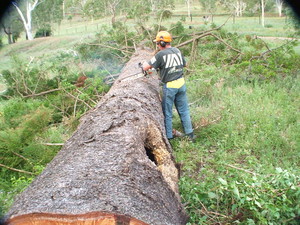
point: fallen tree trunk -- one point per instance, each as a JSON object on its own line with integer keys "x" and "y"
{"x": 117, "y": 168}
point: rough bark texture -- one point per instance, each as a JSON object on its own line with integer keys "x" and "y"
{"x": 118, "y": 163}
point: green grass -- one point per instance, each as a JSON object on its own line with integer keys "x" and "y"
{"x": 37, "y": 48}
{"x": 243, "y": 128}
{"x": 259, "y": 119}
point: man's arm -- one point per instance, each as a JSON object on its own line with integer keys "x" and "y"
{"x": 146, "y": 66}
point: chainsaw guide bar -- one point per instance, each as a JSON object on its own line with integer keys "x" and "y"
{"x": 133, "y": 77}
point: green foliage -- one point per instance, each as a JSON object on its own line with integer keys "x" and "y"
{"x": 16, "y": 187}
{"x": 121, "y": 35}
{"x": 244, "y": 111}
{"x": 293, "y": 19}
{"x": 15, "y": 109}
{"x": 50, "y": 11}
{"x": 246, "y": 129}
{"x": 28, "y": 124}
{"x": 243, "y": 198}
{"x": 44, "y": 31}
{"x": 26, "y": 79}
{"x": 268, "y": 26}
{"x": 139, "y": 12}
{"x": 163, "y": 14}
{"x": 19, "y": 140}
{"x": 177, "y": 29}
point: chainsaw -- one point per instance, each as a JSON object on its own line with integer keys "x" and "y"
{"x": 140, "y": 74}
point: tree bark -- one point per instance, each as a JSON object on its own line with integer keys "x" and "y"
{"x": 117, "y": 168}
{"x": 263, "y": 13}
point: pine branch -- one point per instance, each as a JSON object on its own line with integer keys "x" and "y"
{"x": 42, "y": 93}
{"x": 16, "y": 170}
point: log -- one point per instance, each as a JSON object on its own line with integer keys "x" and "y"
{"x": 117, "y": 168}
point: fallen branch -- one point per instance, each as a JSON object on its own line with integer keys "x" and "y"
{"x": 208, "y": 31}
{"x": 22, "y": 157}
{"x": 80, "y": 92}
{"x": 16, "y": 170}
{"x": 234, "y": 49}
{"x": 192, "y": 40}
{"x": 42, "y": 93}
{"x": 208, "y": 34}
{"x": 237, "y": 168}
{"x": 53, "y": 144}
{"x": 68, "y": 93}
{"x": 269, "y": 50}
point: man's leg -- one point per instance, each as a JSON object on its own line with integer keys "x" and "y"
{"x": 182, "y": 107}
{"x": 167, "y": 105}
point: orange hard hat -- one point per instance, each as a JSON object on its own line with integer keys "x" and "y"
{"x": 163, "y": 36}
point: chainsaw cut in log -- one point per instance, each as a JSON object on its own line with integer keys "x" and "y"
{"x": 117, "y": 168}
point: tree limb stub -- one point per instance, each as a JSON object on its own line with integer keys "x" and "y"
{"x": 118, "y": 162}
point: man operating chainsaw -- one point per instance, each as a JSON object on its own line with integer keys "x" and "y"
{"x": 170, "y": 63}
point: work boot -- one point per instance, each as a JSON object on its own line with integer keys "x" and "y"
{"x": 177, "y": 133}
{"x": 192, "y": 137}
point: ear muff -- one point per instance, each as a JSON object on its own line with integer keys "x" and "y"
{"x": 162, "y": 44}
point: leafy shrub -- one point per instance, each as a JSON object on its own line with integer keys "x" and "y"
{"x": 163, "y": 14}
{"x": 177, "y": 28}
{"x": 121, "y": 35}
{"x": 16, "y": 187}
{"x": 15, "y": 141}
{"x": 26, "y": 80}
{"x": 15, "y": 109}
{"x": 244, "y": 199}
{"x": 43, "y": 32}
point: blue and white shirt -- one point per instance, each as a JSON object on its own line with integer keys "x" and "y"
{"x": 170, "y": 62}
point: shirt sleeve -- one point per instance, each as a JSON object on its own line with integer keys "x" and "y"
{"x": 155, "y": 61}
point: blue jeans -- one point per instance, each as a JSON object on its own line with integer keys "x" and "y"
{"x": 179, "y": 97}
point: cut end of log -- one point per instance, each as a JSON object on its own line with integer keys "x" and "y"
{"x": 93, "y": 218}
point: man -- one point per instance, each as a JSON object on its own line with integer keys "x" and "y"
{"x": 170, "y": 62}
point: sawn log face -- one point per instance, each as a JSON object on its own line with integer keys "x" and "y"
{"x": 118, "y": 161}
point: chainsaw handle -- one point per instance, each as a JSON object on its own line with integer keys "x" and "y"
{"x": 143, "y": 71}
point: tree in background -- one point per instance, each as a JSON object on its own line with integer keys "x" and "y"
{"x": 209, "y": 6}
{"x": 11, "y": 25}
{"x": 188, "y": 2}
{"x": 32, "y": 13}
{"x": 30, "y": 6}
{"x": 139, "y": 11}
{"x": 235, "y": 6}
{"x": 51, "y": 11}
{"x": 160, "y": 4}
{"x": 265, "y": 5}
{"x": 279, "y": 6}
{"x": 112, "y": 6}
{"x": 95, "y": 9}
